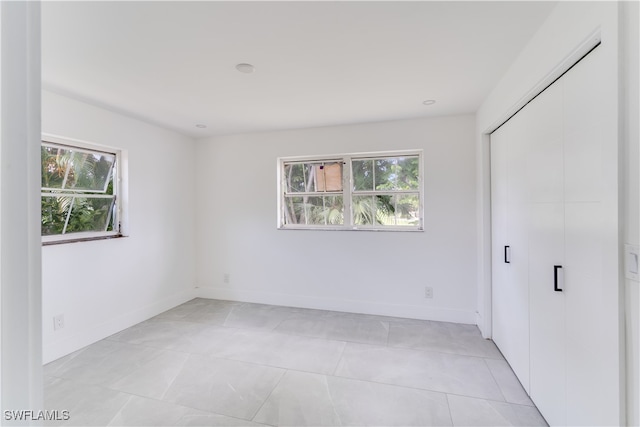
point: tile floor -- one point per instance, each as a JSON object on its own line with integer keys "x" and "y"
{"x": 221, "y": 363}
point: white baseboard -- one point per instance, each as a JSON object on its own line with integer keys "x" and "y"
{"x": 93, "y": 333}
{"x": 480, "y": 322}
{"x": 336, "y": 304}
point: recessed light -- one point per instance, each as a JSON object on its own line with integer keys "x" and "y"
{"x": 245, "y": 68}
{"x": 201, "y": 126}
{"x": 429, "y": 102}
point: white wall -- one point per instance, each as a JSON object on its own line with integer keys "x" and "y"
{"x": 359, "y": 271}
{"x": 566, "y": 27}
{"x": 20, "y": 344}
{"x": 104, "y": 286}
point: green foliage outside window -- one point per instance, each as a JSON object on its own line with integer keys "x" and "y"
{"x": 77, "y": 190}
{"x": 399, "y": 175}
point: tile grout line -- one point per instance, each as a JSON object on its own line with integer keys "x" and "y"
{"x": 488, "y": 400}
{"x": 171, "y": 403}
{"x": 294, "y": 334}
{"x": 136, "y": 369}
{"x": 418, "y": 389}
{"x": 184, "y": 362}
{"x": 423, "y": 389}
{"x": 495, "y": 380}
{"x": 440, "y": 352}
{"x": 79, "y": 352}
{"x": 269, "y": 396}
{"x": 284, "y": 368}
{"x": 228, "y": 314}
{"x": 333, "y": 405}
{"x": 119, "y": 410}
{"x": 388, "y": 333}
{"x": 344, "y": 347}
{"x": 510, "y": 369}
{"x": 446, "y": 396}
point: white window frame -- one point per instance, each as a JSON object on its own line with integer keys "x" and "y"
{"x": 119, "y": 191}
{"x": 347, "y": 190}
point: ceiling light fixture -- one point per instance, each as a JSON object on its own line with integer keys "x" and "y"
{"x": 429, "y": 102}
{"x": 201, "y": 126}
{"x": 245, "y": 68}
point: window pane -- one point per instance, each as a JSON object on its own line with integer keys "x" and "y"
{"x": 407, "y": 171}
{"x": 292, "y": 210}
{"x": 364, "y": 210}
{"x": 54, "y": 214}
{"x": 90, "y": 214}
{"x": 304, "y": 210}
{"x": 317, "y": 177}
{"x": 54, "y": 165}
{"x": 66, "y": 168}
{"x": 333, "y": 210}
{"x": 314, "y": 210}
{"x": 296, "y": 177}
{"x": 385, "y": 210}
{"x": 90, "y": 171}
{"x": 385, "y": 174}
{"x": 397, "y": 173}
{"x": 407, "y": 209}
{"x": 362, "y": 175}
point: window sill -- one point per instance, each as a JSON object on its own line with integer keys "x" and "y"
{"x": 325, "y": 228}
{"x": 81, "y": 239}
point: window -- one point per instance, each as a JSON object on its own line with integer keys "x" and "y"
{"x": 79, "y": 197}
{"x": 370, "y": 191}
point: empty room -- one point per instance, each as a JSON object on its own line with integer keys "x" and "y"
{"x": 420, "y": 213}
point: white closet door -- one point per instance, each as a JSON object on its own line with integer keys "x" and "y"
{"x": 510, "y": 280}
{"x": 501, "y": 313}
{"x": 587, "y": 367}
{"x": 590, "y": 368}
{"x": 546, "y": 254}
{"x": 518, "y": 235}
{"x": 564, "y": 210}
{"x": 548, "y": 315}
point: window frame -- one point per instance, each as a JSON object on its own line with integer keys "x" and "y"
{"x": 348, "y": 190}
{"x": 118, "y": 193}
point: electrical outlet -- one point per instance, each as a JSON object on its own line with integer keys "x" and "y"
{"x": 428, "y": 292}
{"x": 58, "y": 322}
{"x": 226, "y": 278}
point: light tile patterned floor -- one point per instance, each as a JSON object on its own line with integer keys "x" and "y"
{"x": 221, "y": 363}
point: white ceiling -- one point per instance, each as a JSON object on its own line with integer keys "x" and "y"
{"x": 317, "y": 63}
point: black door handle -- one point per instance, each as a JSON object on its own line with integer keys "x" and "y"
{"x": 506, "y": 255}
{"x": 555, "y": 278}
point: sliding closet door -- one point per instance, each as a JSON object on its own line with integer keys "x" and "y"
{"x": 590, "y": 390}
{"x": 556, "y": 206}
{"x": 546, "y": 253}
{"x": 501, "y": 314}
{"x": 510, "y": 248}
